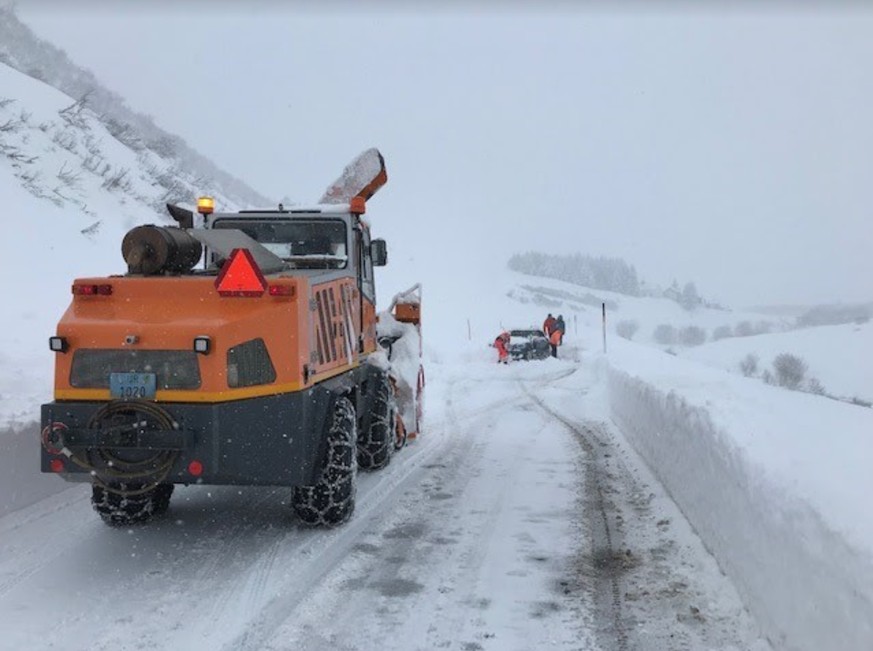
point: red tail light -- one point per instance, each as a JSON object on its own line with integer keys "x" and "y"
{"x": 92, "y": 290}
{"x": 195, "y": 468}
{"x": 56, "y": 465}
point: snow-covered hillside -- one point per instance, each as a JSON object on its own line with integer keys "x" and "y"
{"x": 70, "y": 191}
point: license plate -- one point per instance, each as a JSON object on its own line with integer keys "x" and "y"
{"x": 130, "y": 386}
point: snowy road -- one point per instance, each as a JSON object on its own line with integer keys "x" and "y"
{"x": 519, "y": 521}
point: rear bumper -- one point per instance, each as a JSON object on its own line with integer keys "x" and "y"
{"x": 270, "y": 441}
{"x": 529, "y": 352}
{"x": 133, "y": 439}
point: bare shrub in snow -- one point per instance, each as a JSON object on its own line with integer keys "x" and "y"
{"x": 68, "y": 176}
{"x": 763, "y": 328}
{"x": 626, "y": 329}
{"x": 66, "y": 140}
{"x": 92, "y": 230}
{"x": 665, "y": 334}
{"x": 789, "y": 370}
{"x": 767, "y": 377}
{"x": 722, "y": 332}
{"x": 744, "y": 329}
{"x": 16, "y": 155}
{"x": 74, "y": 114}
{"x": 814, "y": 386}
{"x": 123, "y": 133}
{"x": 749, "y": 365}
{"x": 12, "y": 125}
{"x": 28, "y": 178}
{"x": 92, "y": 163}
{"x": 93, "y": 145}
{"x": 118, "y": 180}
{"x": 692, "y": 336}
{"x": 690, "y": 299}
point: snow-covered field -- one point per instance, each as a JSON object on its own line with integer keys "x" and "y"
{"x": 834, "y": 355}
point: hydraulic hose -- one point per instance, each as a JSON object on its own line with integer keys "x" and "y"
{"x": 109, "y": 470}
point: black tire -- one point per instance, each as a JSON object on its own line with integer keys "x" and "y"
{"x": 377, "y": 443}
{"x": 331, "y": 501}
{"x": 126, "y": 503}
{"x": 161, "y": 499}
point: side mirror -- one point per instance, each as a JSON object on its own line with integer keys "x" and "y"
{"x": 379, "y": 253}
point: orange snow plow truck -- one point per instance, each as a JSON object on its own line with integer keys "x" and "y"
{"x": 243, "y": 351}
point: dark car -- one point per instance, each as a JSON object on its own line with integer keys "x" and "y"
{"x": 528, "y": 344}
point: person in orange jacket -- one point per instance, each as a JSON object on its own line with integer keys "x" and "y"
{"x": 555, "y": 341}
{"x": 502, "y": 346}
{"x": 549, "y": 325}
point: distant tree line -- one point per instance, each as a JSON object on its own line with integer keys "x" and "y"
{"x": 835, "y": 315}
{"x": 600, "y": 272}
{"x": 611, "y": 274}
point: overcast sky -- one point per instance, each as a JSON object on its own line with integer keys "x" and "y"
{"x": 732, "y": 149}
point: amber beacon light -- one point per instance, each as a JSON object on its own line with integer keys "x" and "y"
{"x": 205, "y": 205}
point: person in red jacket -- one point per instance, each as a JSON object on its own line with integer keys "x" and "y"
{"x": 502, "y": 346}
{"x": 549, "y": 325}
{"x": 555, "y": 341}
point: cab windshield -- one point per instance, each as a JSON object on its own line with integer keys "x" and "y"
{"x": 304, "y": 244}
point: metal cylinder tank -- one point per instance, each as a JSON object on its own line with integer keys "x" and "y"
{"x": 153, "y": 250}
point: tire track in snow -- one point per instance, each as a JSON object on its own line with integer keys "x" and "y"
{"x": 47, "y": 554}
{"x": 448, "y": 545}
{"x": 321, "y": 552}
{"x": 231, "y": 538}
{"x": 606, "y": 561}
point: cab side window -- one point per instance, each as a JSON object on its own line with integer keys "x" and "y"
{"x": 368, "y": 286}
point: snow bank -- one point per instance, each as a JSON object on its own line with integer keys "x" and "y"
{"x": 21, "y": 482}
{"x": 777, "y": 484}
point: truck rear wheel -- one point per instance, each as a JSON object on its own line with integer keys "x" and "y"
{"x": 377, "y": 444}
{"x": 331, "y": 501}
{"x": 126, "y": 503}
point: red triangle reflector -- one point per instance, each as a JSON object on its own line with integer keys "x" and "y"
{"x": 240, "y": 276}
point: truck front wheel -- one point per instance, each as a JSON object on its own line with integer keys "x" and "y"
{"x": 331, "y": 501}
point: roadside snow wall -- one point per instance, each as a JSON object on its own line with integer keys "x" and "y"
{"x": 21, "y": 483}
{"x": 777, "y": 484}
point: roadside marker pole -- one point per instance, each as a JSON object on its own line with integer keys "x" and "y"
{"x": 469, "y": 331}
{"x": 604, "y": 327}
